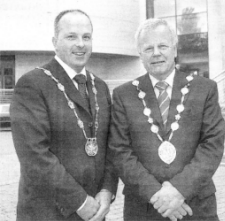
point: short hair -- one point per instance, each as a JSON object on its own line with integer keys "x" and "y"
{"x": 62, "y": 13}
{"x": 153, "y": 23}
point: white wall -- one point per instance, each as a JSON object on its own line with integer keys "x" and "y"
{"x": 27, "y": 61}
{"x": 28, "y": 25}
{"x": 215, "y": 35}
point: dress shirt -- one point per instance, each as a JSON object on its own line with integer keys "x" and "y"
{"x": 71, "y": 73}
{"x": 168, "y": 80}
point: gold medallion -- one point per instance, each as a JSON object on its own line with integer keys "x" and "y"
{"x": 167, "y": 152}
{"x": 91, "y": 147}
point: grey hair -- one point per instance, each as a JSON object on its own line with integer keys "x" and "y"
{"x": 153, "y": 23}
{"x": 61, "y": 14}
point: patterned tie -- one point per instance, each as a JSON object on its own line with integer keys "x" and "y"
{"x": 163, "y": 99}
{"x": 81, "y": 81}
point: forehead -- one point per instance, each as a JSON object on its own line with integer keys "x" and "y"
{"x": 75, "y": 22}
{"x": 157, "y": 35}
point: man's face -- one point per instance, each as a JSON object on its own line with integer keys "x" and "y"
{"x": 73, "y": 45}
{"x": 157, "y": 51}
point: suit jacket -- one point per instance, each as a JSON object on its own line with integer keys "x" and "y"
{"x": 56, "y": 172}
{"x": 199, "y": 144}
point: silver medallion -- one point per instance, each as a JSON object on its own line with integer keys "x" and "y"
{"x": 91, "y": 147}
{"x": 167, "y": 152}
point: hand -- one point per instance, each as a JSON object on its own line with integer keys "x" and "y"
{"x": 104, "y": 199}
{"x": 180, "y": 212}
{"x": 89, "y": 209}
{"x": 167, "y": 199}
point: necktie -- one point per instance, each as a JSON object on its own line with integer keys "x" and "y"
{"x": 81, "y": 81}
{"x": 163, "y": 99}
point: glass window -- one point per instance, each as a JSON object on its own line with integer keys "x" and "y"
{"x": 192, "y": 23}
{"x": 171, "y": 21}
{"x": 193, "y": 43}
{"x": 7, "y": 71}
{"x": 164, "y": 8}
{"x": 195, "y": 5}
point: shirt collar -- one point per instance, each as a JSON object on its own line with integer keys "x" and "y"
{"x": 71, "y": 73}
{"x": 168, "y": 80}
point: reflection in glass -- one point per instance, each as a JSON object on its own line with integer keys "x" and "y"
{"x": 193, "y": 43}
{"x": 164, "y": 8}
{"x": 198, "y": 5}
{"x": 190, "y": 22}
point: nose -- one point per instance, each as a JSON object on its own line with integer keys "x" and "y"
{"x": 79, "y": 42}
{"x": 156, "y": 51}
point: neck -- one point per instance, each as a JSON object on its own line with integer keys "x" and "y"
{"x": 162, "y": 77}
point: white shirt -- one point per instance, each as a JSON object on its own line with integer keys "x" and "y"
{"x": 70, "y": 72}
{"x": 169, "y": 80}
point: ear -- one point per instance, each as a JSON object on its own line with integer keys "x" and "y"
{"x": 175, "y": 51}
{"x": 54, "y": 41}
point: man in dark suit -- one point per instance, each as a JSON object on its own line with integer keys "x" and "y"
{"x": 167, "y": 135}
{"x": 60, "y": 130}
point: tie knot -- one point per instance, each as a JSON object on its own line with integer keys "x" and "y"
{"x": 80, "y": 79}
{"x": 162, "y": 85}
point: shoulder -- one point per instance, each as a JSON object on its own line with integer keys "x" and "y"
{"x": 204, "y": 84}
{"x": 35, "y": 74}
{"x": 128, "y": 86}
{"x": 35, "y": 78}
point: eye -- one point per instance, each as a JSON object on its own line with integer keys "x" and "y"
{"x": 87, "y": 38}
{"x": 149, "y": 50}
{"x": 163, "y": 47}
{"x": 71, "y": 37}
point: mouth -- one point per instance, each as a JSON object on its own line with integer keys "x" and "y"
{"x": 80, "y": 54}
{"x": 157, "y": 62}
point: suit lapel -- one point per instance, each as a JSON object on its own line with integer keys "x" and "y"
{"x": 59, "y": 73}
{"x": 151, "y": 101}
{"x": 179, "y": 82}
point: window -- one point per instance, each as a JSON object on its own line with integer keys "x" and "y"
{"x": 189, "y": 19}
{"x": 7, "y": 72}
{"x": 7, "y": 77}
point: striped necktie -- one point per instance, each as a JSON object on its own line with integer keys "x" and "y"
{"x": 163, "y": 99}
{"x": 81, "y": 81}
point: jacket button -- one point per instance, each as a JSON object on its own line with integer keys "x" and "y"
{"x": 90, "y": 124}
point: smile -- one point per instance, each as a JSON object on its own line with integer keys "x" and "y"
{"x": 158, "y": 62}
{"x": 79, "y": 53}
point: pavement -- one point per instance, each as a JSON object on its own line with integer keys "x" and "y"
{"x": 9, "y": 177}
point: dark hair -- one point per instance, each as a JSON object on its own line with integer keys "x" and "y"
{"x": 61, "y": 14}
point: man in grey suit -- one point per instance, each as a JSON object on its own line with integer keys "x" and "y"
{"x": 60, "y": 116}
{"x": 167, "y": 135}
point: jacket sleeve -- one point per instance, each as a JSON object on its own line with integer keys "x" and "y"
{"x": 196, "y": 176}
{"x": 32, "y": 139}
{"x": 126, "y": 162}
{"x": 110, "y": 180}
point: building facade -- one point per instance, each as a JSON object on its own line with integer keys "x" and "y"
{"x": 27, "y": 30}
